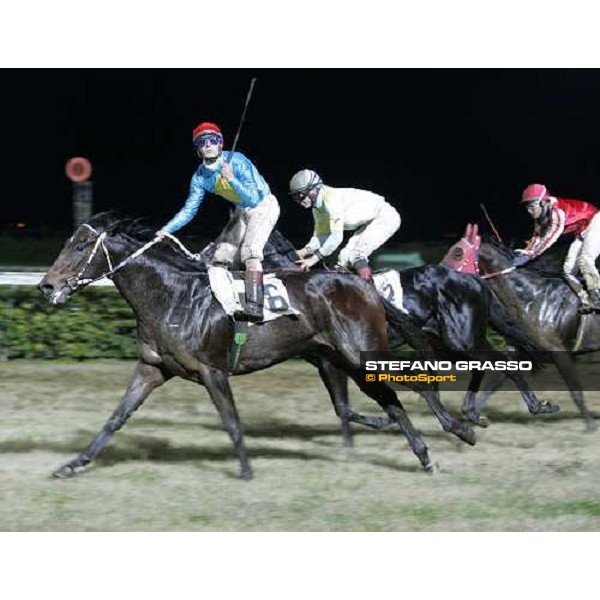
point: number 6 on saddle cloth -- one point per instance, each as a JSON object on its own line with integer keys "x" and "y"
{"x": 229, "y": 290}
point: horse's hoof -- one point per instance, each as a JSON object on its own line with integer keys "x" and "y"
{"x": 476, "y": 420}
{"x": 246, "y": 474}
{"x": 431, "y": 468}
{"x": 546, "y": 408}
{"x": 590, "y": 427}
{"x": 483, "y": 422}
{"x": 467, "y": 435}
{"x": 65, "y": 472}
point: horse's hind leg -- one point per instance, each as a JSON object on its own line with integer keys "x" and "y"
{"x": 387, "y": 399}
{"x": 470, "y": 411}
{"x": 568, "y": 370}
{"x": 495, "y": 383}
{"x": 449, "y": 423}
{"x": 217, "y": 384}
{"x": 146, "y": 378}
{"x": 533, "y": 404}
{"x": 336, "y": 382}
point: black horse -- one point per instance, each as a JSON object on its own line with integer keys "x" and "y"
{"x": 280, "y": 256}
{"x": 453, "y": 311}
{"x": 539, "y": 298}
{"x": 183, "y": 331}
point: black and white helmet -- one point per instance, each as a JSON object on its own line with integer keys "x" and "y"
{"x": 303, "y": 182}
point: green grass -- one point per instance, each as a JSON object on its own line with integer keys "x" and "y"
{"x": 172, "y": 467}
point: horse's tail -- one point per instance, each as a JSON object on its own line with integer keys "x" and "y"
{"x": 513, "y": 332}
{"x": 402, "y": 329}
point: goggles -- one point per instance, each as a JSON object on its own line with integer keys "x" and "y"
{"x": 208, "y": 139}
{"x": 302, "y": 194}
{"x": 532, "y": 204}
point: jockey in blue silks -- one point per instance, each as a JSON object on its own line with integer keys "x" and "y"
{"x": 236, "y": 179}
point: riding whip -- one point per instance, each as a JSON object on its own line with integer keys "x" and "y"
{"x": 489, "y": 220}
{"x": 243, "y": 117}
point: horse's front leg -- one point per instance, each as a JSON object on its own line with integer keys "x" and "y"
{"x": 217, "y": 384}
{"x": 470, "y": 410}
{"x": 146, "y": 378}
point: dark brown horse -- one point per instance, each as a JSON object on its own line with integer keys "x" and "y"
{"x": 184, "y": 332}
{"x": 543, "y": 303}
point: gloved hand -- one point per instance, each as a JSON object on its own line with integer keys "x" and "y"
{"x": 520, "y": 260}
{"x": 303, "y": 252}
{"x": 306, "y": 263}
{"x": 227, "y": 171}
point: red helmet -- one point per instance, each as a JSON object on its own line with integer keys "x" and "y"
{"x": 535, "y": 191}
{"x": 206, "y": 128}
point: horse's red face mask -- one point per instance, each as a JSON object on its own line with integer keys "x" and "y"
{"x": 464, "y": 255}
{"x": 78, "y": 257}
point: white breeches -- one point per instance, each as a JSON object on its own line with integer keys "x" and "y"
{"x": 371, "y": 236}
{"x": 583, "y": 253}
{"x": 248, "y": 231}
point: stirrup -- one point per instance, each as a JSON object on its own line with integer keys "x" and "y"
{"x": 251, "y": 313}
{"x": 588, "y": 308}
{"x": 591, "y": 304}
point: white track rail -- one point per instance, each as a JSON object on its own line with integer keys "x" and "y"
{"x": 14, "y": 278}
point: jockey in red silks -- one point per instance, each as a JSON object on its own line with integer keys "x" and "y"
{"x": 555, "y": 217}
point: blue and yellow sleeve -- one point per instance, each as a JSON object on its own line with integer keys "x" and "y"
{"x": 190, "y": 208}
{"x": 243, "y": 182}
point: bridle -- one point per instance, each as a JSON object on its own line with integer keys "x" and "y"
{"x": 79, "y": 281}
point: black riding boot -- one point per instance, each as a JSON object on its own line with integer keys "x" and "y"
{"x": 254, "y": 296}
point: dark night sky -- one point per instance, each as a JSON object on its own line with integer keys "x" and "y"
{"x": 435, "y": 143}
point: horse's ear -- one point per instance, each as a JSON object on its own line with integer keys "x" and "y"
{"x": 476, "y": 237}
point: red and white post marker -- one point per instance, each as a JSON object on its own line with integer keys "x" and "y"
{"x": 79, "y": 171}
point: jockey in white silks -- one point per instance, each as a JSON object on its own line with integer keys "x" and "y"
{"x": 236, "y": 179}
{"x": 335, "y": 210}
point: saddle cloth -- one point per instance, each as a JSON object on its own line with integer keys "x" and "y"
{"x": 388, "y": 285}
{"x": 229, "y": 290}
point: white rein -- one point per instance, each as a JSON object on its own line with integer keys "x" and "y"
{"x": 79, "y": 281}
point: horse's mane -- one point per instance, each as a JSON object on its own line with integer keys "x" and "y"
{"x": 548, "y": 265}
{"x": 140, "y": 231}
{"x": 278, "y": 251}
{"x": 114, "y": 223}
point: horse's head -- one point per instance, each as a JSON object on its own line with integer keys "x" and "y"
{"x": 464, "y": 255}
{"x": 83, "y": 258}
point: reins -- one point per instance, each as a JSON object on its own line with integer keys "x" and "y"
{"x": 497, "y": 273}
{"x": 79, "y": 281}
